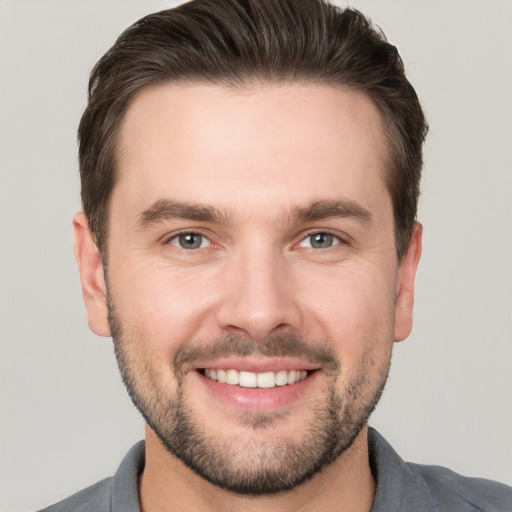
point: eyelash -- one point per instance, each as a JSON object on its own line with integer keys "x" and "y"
{"x": 184, "y": 234}
{"x": 337, "y": 240}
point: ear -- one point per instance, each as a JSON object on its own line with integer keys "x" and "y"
{"x": 92, "y": 276}
{"x": 405, "y": 285}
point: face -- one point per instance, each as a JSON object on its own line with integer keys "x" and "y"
{"x": 253, "y": 289}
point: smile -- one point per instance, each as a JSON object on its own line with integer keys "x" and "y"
{"x": 255, "y": 380}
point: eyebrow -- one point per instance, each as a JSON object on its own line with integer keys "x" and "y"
{"x": 168, "y": 209}
{"x": 340, "y": 208}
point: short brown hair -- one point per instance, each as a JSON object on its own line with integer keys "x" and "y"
{"x": 238, "y": 41}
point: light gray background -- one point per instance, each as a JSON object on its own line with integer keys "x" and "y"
{"x": 66, "y": 420}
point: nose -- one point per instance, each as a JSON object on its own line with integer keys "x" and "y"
{"x": 259, "y": 297}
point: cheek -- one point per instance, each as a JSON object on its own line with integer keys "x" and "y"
{"x": 353, "y": 310}
{"x": 358, "y": 319}
{"x": 163, "y": 305}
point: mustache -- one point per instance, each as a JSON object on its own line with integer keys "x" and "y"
{"x": 282, "y": 345}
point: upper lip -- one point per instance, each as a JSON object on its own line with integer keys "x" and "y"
{"x": 256, "y": 365}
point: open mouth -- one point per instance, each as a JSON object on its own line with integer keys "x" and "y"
{"x": 255, "y": 380}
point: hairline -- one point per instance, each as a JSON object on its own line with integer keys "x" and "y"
{"x": 248, "y": 84}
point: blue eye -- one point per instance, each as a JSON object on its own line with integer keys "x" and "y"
{"x": 190, "y": 241}
{"x": 320, "y": 240}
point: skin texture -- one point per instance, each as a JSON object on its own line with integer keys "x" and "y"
{"x": 256, "y": 172}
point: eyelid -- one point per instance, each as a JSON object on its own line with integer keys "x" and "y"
{"x": 337, "y": 236}
{"x": 168, "y": 238}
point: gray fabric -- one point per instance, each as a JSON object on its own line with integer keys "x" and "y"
{"x": 119, "y": 493}
{"x": 401, "y": 487}
{"x": 410, "y": 487}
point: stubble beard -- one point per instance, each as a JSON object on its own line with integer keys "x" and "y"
{"x": 249, "y": 466}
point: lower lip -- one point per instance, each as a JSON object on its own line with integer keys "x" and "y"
{"x": 260, "y": 399}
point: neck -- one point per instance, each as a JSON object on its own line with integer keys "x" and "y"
{"x": 167, "y": 484}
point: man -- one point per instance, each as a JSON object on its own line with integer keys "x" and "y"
{"x": 250, "y": 174}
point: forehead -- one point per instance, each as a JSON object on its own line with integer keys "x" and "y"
{"x": 283, "y": 144}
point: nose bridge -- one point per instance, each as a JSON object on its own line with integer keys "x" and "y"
{"x": 259, "y": 293}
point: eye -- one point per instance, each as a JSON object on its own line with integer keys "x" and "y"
{"x": 320, "y": 240}
{"x": 190, "y": 241}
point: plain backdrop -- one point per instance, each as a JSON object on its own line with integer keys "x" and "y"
{"x": 66, "y": 420}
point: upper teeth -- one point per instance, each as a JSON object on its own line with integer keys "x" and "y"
{"x": 256, "y": 380}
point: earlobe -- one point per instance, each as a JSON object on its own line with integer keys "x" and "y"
{"x": 405, "y": 285}
{"x": 92, "y": 276}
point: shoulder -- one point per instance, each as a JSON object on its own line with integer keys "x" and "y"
{"x": 405, "y": 486}
{"x": 115, "y": 494}
{"x": 95, "y": 498}
{"x": 449, "y": 488}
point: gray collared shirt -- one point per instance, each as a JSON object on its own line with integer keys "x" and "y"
{"x": 401, "y": 486}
